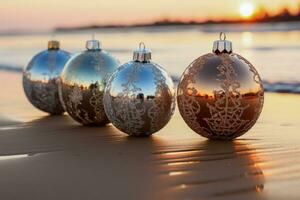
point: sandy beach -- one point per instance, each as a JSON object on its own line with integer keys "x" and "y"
{"x": 53, "y": 157}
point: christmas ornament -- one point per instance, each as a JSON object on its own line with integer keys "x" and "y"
{"x": 83, "y": 81}
{"x": 220, "y": 94}
{"x": 40, "y": 78}
{"x": 139, "y": 97}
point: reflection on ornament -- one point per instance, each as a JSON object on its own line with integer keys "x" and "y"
{"x": 139, "y": 97}
{"x": 83, "y": 81}
{"x": 220, "y": 95}
{"x": 40, "y": 78}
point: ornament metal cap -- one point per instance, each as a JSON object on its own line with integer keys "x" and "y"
{"x": 142, "y": 54}
{"x": 93, "y": 44}
{"x": 53, "y": 45}
{"x": 222, "y": 45}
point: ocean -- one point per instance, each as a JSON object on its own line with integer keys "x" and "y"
{"x": 274, "y": 49}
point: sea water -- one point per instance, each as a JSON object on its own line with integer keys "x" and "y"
{"x": 274, "y": 49}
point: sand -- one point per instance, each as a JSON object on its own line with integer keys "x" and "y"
{"x": 53, "y": 157}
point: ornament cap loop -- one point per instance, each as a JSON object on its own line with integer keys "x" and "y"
{"x": 93, "y": 44}
{"x": 142, "y": 54}
{"x": 222, "y": 45}
{"x": 53, "y": 45}
{"x": 222, "y": 34}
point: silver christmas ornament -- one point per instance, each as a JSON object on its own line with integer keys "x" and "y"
{"x": 83, "y": 81}
{"x": 220, "y": 94}
{"x": 40, "y": 78}
{"x": 139, "y": 97}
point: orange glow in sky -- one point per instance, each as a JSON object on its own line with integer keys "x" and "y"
{"x": 48, "y": 14}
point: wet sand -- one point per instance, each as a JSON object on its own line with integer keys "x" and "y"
{"x": 53, "y": 157}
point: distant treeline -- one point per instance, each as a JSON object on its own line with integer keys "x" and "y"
{"x": 262, "y": 16}
{"x": 283, "y": 16}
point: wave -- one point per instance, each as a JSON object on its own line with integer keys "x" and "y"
{"x": 269, "y": 86}
{"x": 282, "y": 87}
{"x": 11, "y": 68}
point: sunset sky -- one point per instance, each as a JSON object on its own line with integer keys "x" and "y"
{"x": 47, "y": 14}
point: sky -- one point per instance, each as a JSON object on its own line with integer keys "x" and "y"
{"x": 39, "y": 15}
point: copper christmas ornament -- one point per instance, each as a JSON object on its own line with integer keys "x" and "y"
{"x": 220, "y": 94}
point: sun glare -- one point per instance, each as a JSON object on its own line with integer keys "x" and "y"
{"x": 246, "y": 10}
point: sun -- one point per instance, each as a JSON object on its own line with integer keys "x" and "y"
{"x": 246, "y": 10}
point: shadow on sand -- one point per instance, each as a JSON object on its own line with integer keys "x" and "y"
{"x": 118, "y": 166}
